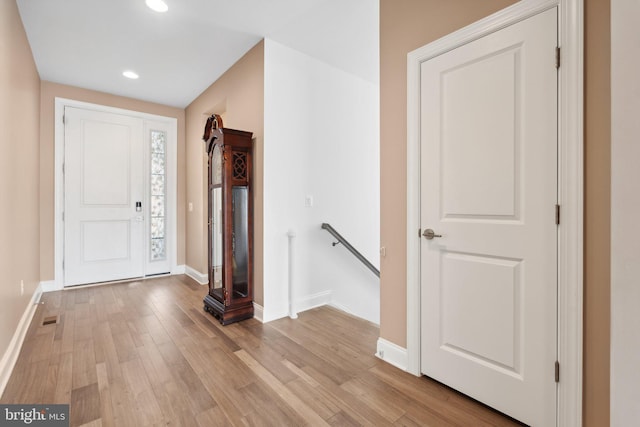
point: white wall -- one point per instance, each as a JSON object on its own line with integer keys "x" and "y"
{"x": 625, "y": 219}
{"x": 321, "y": 138}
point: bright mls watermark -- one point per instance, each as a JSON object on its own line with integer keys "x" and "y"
{"x": 34, "y": 415}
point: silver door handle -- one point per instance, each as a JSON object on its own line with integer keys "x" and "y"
{"x": 430, "y": 234}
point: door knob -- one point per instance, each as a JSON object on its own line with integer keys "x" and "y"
{"x": 430, "y": 234}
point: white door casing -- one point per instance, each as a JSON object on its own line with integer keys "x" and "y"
{"x": 148, "y": 123}
{"x": 570, "y": 196}
{"x": 489, "y": 187}
{"x": 103, "y": 181}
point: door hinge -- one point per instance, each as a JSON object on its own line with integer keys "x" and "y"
{"x": 64, "y": 119}
{"x": 557, "y": 56}
{"x": 419, "y": 232}
{"x": 63, "y": 215}
{"x": 557, "y": 371}
{"x": 557, "y": 214}
{"x": 63, "y": 168}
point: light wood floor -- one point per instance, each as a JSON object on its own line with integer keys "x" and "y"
{"x": 145, "y": 353}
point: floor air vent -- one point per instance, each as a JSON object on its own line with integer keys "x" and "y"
{"x": 50, "y": 320}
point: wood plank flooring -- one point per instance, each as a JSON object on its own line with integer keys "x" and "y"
{"x": 146, "y": 354}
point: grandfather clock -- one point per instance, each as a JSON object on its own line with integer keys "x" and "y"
{"x": 230, "y": 222}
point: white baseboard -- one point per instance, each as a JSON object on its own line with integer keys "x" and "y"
{"x": 302, "y": 304}
{"x": 312, "y": 301}
{"x": 375, "y": 321}
{"x": 50, "y": 286}
{"x": 10, "y": 356}
{"x": 271, "y": 313}
{"x": 341, "y": 308}
{"x": 178, "y": 269}
{"x": 258, "y": 312}
{"x": 392, "y": 353}
{"x": 201, "y": 278}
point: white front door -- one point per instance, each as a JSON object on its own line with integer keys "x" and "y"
{"x": 488, "y": 191}
{"x": 103, "y": 183}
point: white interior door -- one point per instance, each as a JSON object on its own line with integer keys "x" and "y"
{"x": 103, "y": 228}
{"x": 489, "y": 189}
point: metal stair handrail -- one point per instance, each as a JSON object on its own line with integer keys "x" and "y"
{"x": 351, "y": 249}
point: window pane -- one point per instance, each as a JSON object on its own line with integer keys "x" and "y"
{"x": 157, "y": 243}
{"x": 157, "y": 206}
{"x": 157, "y": 185}
{"x": 216, "y": 237}
{"x": 157, "y": 249}
{"x": 240, "y": 240}
{"x": 217, "y": 165}
{"x": 157, "y": 164}
{"x": 157, "y": 228}
{"x": 157, "y": 141}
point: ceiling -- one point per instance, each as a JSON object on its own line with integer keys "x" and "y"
{"x": 178, "y": 54}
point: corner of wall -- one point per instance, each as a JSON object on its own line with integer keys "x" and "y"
{"x": 392, "y": 354}
{"x": 201, "y": 278}
{"x": 10, "y": 357}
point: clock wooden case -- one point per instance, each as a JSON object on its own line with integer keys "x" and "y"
{"x": 230, "y": 222}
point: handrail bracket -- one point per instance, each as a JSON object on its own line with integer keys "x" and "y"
{"x": 349, "y": 247}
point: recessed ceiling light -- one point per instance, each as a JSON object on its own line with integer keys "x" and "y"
{"x": 157, "y": 5}
{"x": 130, "y": 75}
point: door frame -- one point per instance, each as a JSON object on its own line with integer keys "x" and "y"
{"x": 172, "y": 186}
{"x": 570, "y": 188}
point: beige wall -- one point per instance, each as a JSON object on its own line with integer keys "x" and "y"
{"x": 50, "y": 91}
{"x": 597, "y": 220}
{"x": 19, "y": 134}
{"x": 408, "y": 24}
{"x": 625, "y": 203}
{"x": 239, "y": 96}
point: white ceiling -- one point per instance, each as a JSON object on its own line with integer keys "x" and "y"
{"x": 178, "y": 54}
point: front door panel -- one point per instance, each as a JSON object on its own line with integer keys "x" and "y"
{"x": 103, "y": 181}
